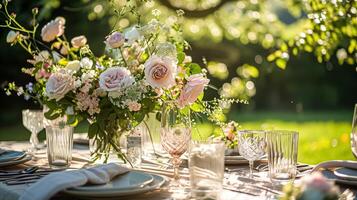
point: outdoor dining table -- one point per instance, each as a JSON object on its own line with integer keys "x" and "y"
{"x": 243, "y": 188}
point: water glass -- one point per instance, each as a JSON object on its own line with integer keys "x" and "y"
{"x": 354, "y": 133}
{"x": 206, "y": 166}
{"x": 59, "y": 145}
{"x": 33, "y": 121}
{"x": 282, "y": 155}
{"x": 252, "y": 146}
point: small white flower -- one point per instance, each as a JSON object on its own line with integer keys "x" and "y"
{"x": 132, "y": 35}
{"x": 12, "y": 36}
{"x": 78, "y": 83}
{"x": 88, "y": 76}
{"x": 86, "y": 63}
{"x": 73, "y": 66}
{"x": 70, "y": 110}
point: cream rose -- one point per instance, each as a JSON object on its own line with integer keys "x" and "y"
{"x": 59, "y": 84}
{"x": 160, "y": 72}
{"x": 115, "y": 40}
{"x": 134, "y": 106}
{"x": 193, "y": 88}
{"x": 115, "y": 79}
{"x": 79, "y": 41}
{"x": 53, "y": 29}
{"x": 73, "y": 66}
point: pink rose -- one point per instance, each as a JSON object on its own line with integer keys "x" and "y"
{"x": 115, "y": 40}
{"x": 193, "y": 88}
{"x": 230, "y": 130}
{"x": 160, "y": 72}
{"x": 134, "y": 106}
{"x": 115, "y": 79}
{"x": 79, "y": 41}
{"x": 317, "y": 181}
{"x": 59, "y": 84}
{"x": 53, "y": 29}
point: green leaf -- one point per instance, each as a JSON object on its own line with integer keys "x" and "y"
{"x": 195, "y": 68}
{"x": 281, "y": 63}
{"x": 196, "y": 107}
{"x": 181, "y": 57}
{"x": 72, "y": 120}
{"x": 271, "y": 57}
{"x": 93, "y": 130}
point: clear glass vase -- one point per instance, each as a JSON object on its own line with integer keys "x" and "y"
{"x": 59, "y": 145}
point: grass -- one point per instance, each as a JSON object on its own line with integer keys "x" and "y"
{"x": 323, "y": 135}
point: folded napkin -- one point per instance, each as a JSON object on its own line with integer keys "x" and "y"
{"x": 2, "y": 151}
{"x": 336, "y": 164}
{"x": 53, "y": 183}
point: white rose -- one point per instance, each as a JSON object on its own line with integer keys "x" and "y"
{"x": 73, "y": 66}
{"x": 160, "y": 72}
{"x": 79, "y": 41}
{"x": 115, "y": 79}
{"x": 58, "y": 85}
{"x": 132, "y": 35}
{"x": 12, "y": 36}
{"x": 53, "y": 29}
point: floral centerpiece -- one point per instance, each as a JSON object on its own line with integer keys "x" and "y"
{"x": 315, "y": 187}
{"x": 142, "y": 67}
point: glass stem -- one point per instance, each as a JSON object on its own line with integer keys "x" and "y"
{"x": 176, "y": 161}
{"x": 34, "y": 140}
{"x": 250, "y": 169}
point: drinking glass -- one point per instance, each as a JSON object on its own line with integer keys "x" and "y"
{"x": 33, "y": 121}
{"x": 206, "y": 166}
{"x": 175, "y": 135}
{"x": 354, "y": 133}
{"x": 252, "y": 146}
{"x": 282, "y": 155}
{"x": 59, "y": 145}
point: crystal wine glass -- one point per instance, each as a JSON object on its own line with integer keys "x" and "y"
{"x": 252, "y": 146}
{"x": 175, "y": 135}
{"x": 33, "y": 121}
{"x": 354, "y": 133}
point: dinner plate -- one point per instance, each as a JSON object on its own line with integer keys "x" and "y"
{"x": 239, "y": 160}
{"x": 157, "y": 182}
{"x": 331, "y": 176}
{"x": 11, "y": 155}
{"x": 346, "y": 173}
{"x": 16, "y": 162}
{"x": 127, "y": 181}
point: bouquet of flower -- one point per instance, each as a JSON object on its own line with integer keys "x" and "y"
{"x": 142, "y": 67}
{"x": 315, "y": 187}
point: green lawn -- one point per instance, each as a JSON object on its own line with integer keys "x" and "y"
{"x": 323, "y": 135}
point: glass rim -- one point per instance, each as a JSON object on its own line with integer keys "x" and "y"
{"x": 283, "y": 132}
{"x": 194, "y": 142}
{"x": 59, "y": 126}
{"x": 251, "y": 131}
{"x": 32, "y": 110}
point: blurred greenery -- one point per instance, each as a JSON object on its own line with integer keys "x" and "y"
{"x": 323, "y": 135}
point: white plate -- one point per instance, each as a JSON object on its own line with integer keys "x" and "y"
{"x": 155, "y": 184}
{"x": 346, "y": 173}
{"x": 16, "y": 162}
{"x": 127, "y": 181}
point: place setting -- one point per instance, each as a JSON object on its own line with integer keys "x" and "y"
{"x": 129, "y": 114}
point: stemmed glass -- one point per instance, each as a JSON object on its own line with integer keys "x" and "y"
{"x": 175, "y": 135}
{"x": 33, "y": 121}
{"x": 354, "y": 133}
{"x": 252, "y": 146}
